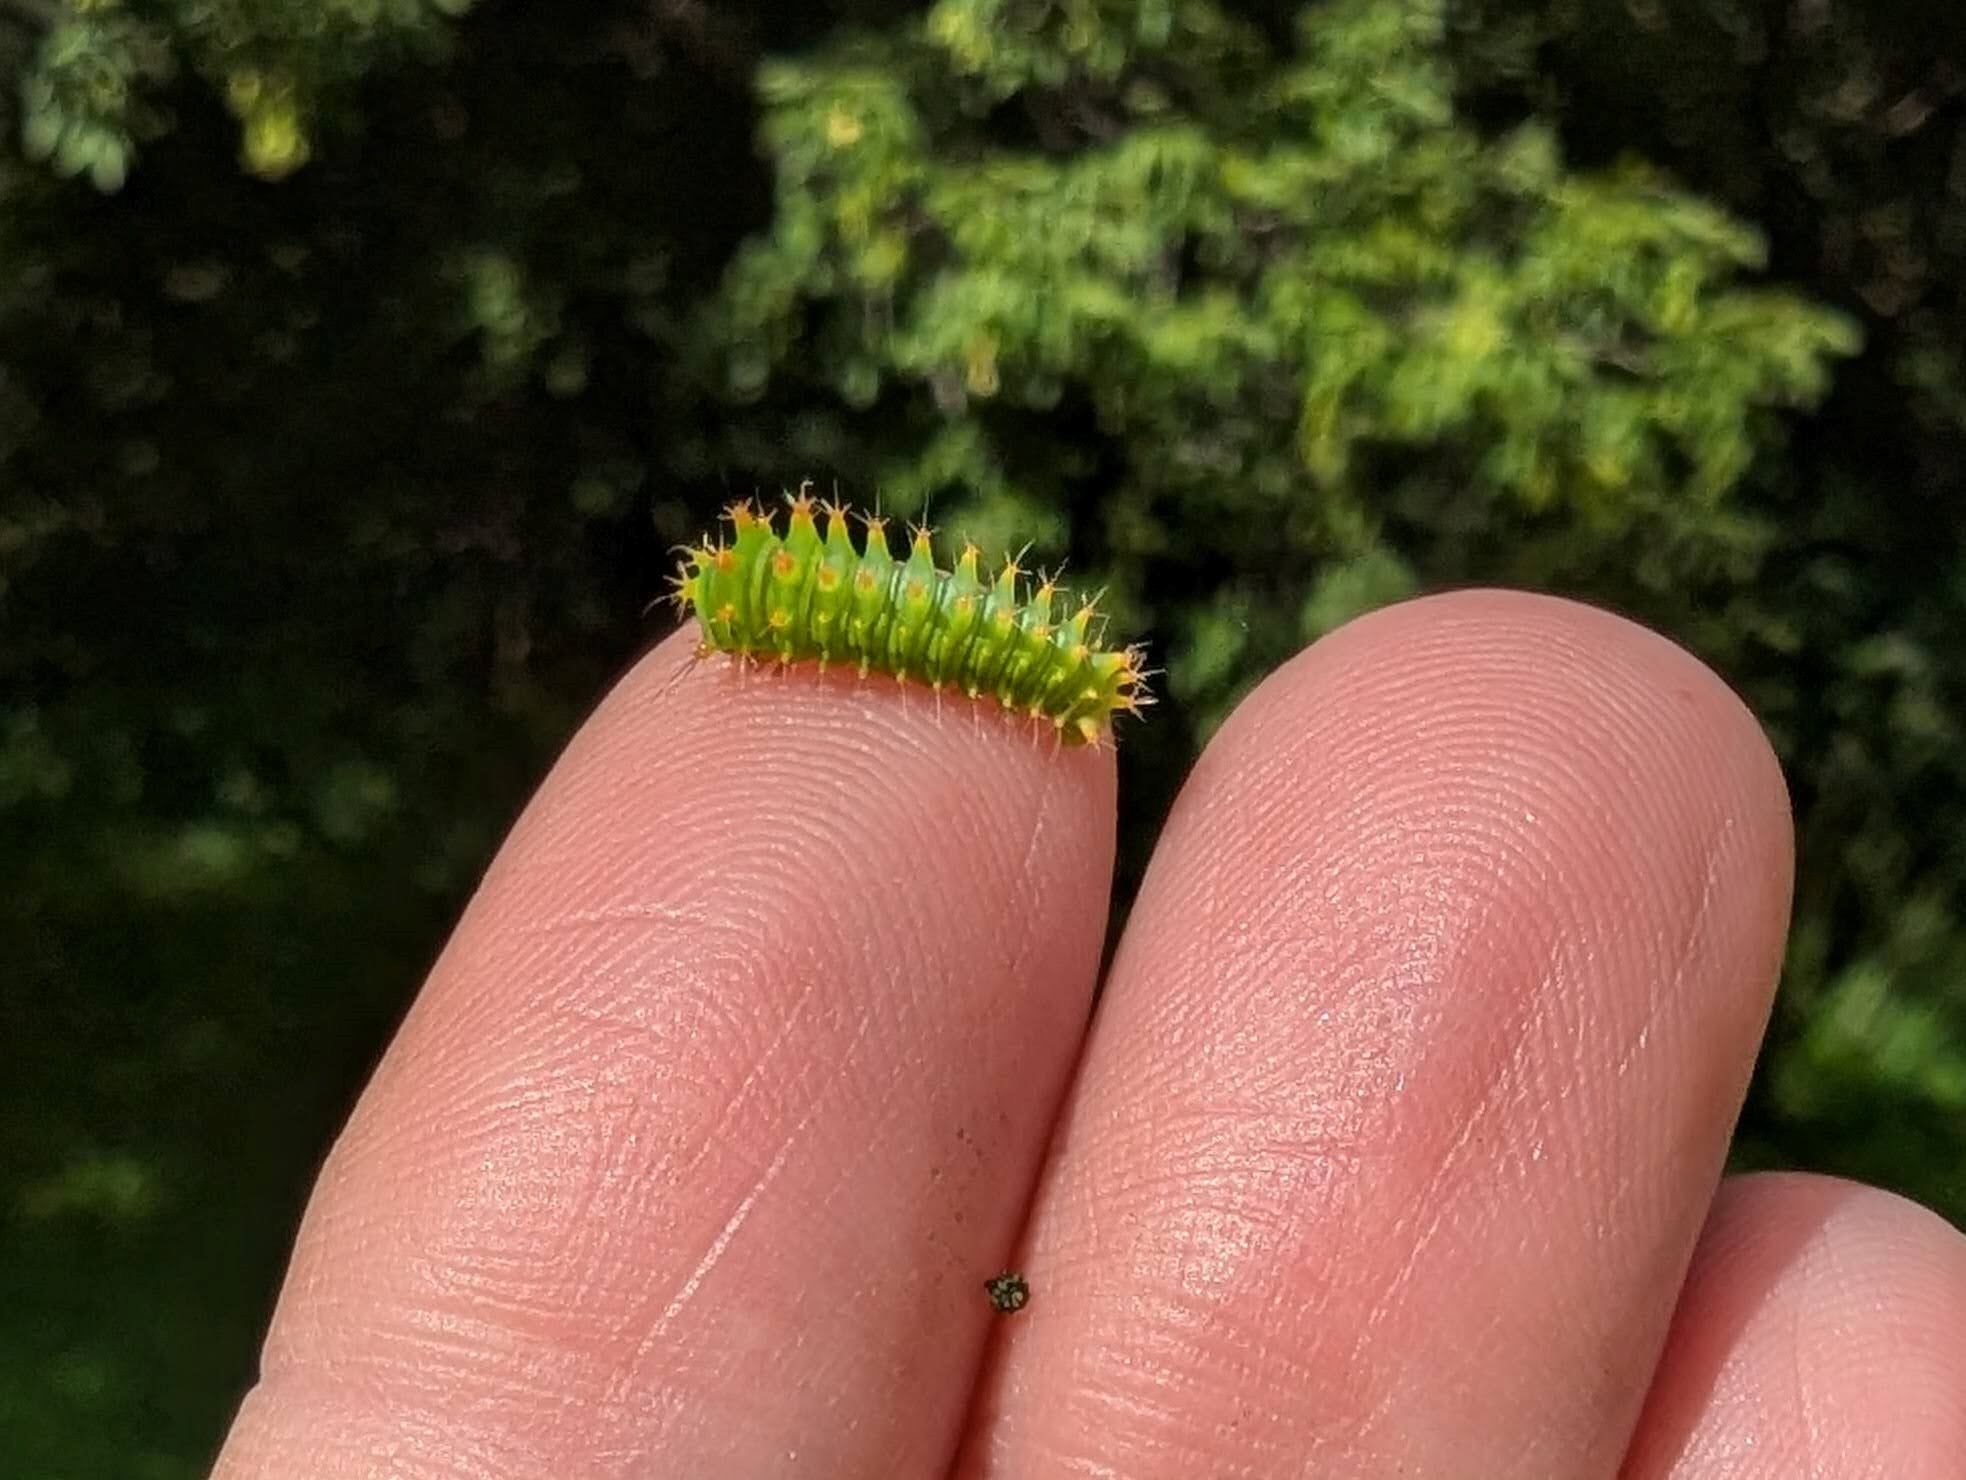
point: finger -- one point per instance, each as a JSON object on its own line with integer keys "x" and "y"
{"x": 1415, "y": 1069}
{"x": 1821, "y": 1335}
{"x": 720, "y": 1106}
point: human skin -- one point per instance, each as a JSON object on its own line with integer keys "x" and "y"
{"x": 768, "y": 1039}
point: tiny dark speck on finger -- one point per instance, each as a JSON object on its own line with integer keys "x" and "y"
{"x": 1008, "y": 1292}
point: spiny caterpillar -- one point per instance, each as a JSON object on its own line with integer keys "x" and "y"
{"x": 807, "y": 596}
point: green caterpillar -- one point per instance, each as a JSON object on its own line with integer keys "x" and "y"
{"x": 807, "y": 596}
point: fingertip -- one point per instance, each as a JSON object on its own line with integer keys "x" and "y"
{"x": 1539, "y": 694}
{"x": 1453, "y": 955}
{"x": 1821, "y": 1331}
{"x": 776, "y": 982}
{"x": 1590, "y": 654}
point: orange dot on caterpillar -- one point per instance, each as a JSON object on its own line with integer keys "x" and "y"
{"x": 812, "y": 595}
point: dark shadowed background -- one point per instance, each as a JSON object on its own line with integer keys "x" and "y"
{"x": 360, "y": 361}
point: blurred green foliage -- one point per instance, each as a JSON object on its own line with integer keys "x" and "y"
{"x": 358, "y": 361}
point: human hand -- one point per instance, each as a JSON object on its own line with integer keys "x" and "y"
{"x": 763, "y": 1045}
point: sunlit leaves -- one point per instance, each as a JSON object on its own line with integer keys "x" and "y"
{"x": 85, "y": 101}
{"x": 1304, "y": 291}
{"x": 94, "y": 90}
